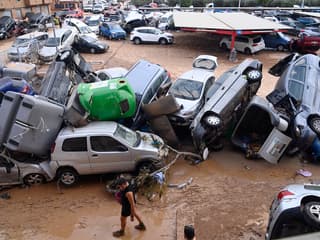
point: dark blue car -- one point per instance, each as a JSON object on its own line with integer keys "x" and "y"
{"x": 276, "y": 40}
{"x": 112, "y": 31}
{"x": 15, "y": 85}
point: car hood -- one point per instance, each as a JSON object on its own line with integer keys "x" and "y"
{"x": 187, "y": 105}
{"x": 14, "y": 50}
{"x": 94, "y": 28}
{"x": 150, "y": 142}
{"x": 48, "y": 51}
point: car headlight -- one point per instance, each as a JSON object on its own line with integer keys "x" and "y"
{"x": 101, "y": 46}
{"x": 188, "y": 113}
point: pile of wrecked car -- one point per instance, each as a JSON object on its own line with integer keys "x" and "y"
{"x": 75, "y": 109}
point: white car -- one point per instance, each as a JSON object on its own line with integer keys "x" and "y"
{"x": 57, "y": 40}
{"x": 98, "y": 8}
{"x": 150, "y": 34}
{"x": 295, "y": 210}
{"x": 245, "y": 44}
{"x": 109, "y": 73}
{"x": 81, "y": 27}
{"x": 94, "y": 22}
{"x": 191, "y": 88}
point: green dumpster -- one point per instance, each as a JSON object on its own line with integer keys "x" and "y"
{"x": 108, "y": 100}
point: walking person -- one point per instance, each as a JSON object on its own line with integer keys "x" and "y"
{"x": 128, "y": 208}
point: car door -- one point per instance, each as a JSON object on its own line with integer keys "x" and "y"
{"x": 107, "y": 154}
{"x": 9, "y": 172}
{"x": 154, "y": 35}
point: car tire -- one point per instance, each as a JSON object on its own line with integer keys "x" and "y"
{"x": 224, "y": 46}
{"x": 137, "y": 41}
{"x": 313, "y": 121}
{"x": 163, "y": 41}
{"x": 247, "y": 51}
{"x": 311, "y": 213}
{"x": 33, "y": 179}
{"x": 212, "y": 121}
{"x": 280, "y": 48}
{"x": 253, "y": 76}
{"x": 92, "y": 50}
{"x": 146, "y": 168}
{"x": 68, "y": 177}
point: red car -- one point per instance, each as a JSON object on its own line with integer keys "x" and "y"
{"x": 305, "y": 44}
{"x": 75, "y": 13}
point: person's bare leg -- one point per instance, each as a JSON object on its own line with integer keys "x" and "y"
{"x": 123, "y": 221}
{"x": 138, "y": 218}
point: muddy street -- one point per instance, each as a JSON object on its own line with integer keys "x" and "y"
{"x": 228, "y": 197}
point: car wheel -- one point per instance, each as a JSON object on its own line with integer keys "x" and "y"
{"x": 224, "y": 46}
{"x": 314, "y": 123}
{"x": 311, "y": 213}
{"x": 137, "y": 41}
{"x": 92, "y": 50}
{"x": 212, "y": 121}
{"x": 146, "y": 168}
{"x": 280, "y": 48}
{"x": 68, "y": 177}
{"x": 247, "y": 51}
{"x": 254, "y": 75}
{"x": 163, "y": 41}
{"x": 33, "y": 179}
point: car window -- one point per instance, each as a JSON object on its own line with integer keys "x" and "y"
{"x": 295, "y": 89}
{"x": 66, "y": 35}
{"x": 298, "y": 73}
{"x": 42, "y": 37}
{"x": 186, "y": 89}
{"x": 106, "y": 144}
{"x": 78, "y": 144}
{"x": 103, "y": 76}
{"x": 257, "y": 40}
{"x": 126, "y": 134}
{"x": 5, "y": 163}
{"x": 242, "y": 39}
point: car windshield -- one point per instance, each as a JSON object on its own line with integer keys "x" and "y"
{"x": 186, "y": 89}
{"x": 53, "y": 42}
{"x": 163, "y": 20}
{"x": 21, "y": 42}
{"x": 85, "y": 30}
{"x": 126, "y": 134}
{"x": 93, "y": 23}
{"x": 257, "y": 40}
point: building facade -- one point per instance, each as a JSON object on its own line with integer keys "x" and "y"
{"x": 18, "y": 8}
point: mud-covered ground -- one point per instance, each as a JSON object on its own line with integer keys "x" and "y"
{"x": 228, "y": 198}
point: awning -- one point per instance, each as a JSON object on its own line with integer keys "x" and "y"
{"x": 234, "y": 21}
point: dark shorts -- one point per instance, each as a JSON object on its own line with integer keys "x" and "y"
{"x": 125, "y": 211}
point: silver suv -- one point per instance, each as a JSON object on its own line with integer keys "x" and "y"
{"x": 104, "y": 147}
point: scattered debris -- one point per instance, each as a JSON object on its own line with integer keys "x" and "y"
{"x": 304, "y": 173}
{"x": 182, "y": 185}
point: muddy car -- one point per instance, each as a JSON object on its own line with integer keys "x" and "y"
{"x": 262, "y": 131}
{"x": 300, "y": 82}
{"x": 104, "y": 147}
{"x": 191, "y": 88}
{"x": 225, "y": 101}
{"x": 294, "y": 211}
{"x": 13, "y": 172}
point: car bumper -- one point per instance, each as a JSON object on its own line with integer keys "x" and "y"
{"x": 46, "y": 58}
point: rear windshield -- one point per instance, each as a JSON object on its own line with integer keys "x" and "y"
{"x": 257, "y": 40}
{"x": 186, "y": 89}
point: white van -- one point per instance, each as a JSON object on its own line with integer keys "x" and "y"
{"x": 166, "y": 21}
{"x": 80, "y": 26}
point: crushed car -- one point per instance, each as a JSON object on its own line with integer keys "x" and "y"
{"x": 191, "y": 88}
{"x": 14, "y": 172}
{"x": 104, "y": 147}
{"x": 295, "y": 210}
{"x": 7, "y": 27}
{"x": 224, "y": 104}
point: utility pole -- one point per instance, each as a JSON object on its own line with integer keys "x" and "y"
{"x": 239, "y": 5}
{"x": 302, "y": 4}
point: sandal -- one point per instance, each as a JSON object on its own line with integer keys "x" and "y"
{"x": 118, "y": 233}
{"x": 140, "y": 227}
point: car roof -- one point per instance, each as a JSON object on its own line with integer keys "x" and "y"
{"x": 92, "y": 128}
{"x": 141, "y": 74}
{"x": 138, "y": 28}
{"x": 199, "y": 75}
{"x": 94, "y": 17}
{"x": 59, "y": 32}
{"x": 32, "y": 35}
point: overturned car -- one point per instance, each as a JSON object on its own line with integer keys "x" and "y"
{"x": 224, "y": 103}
